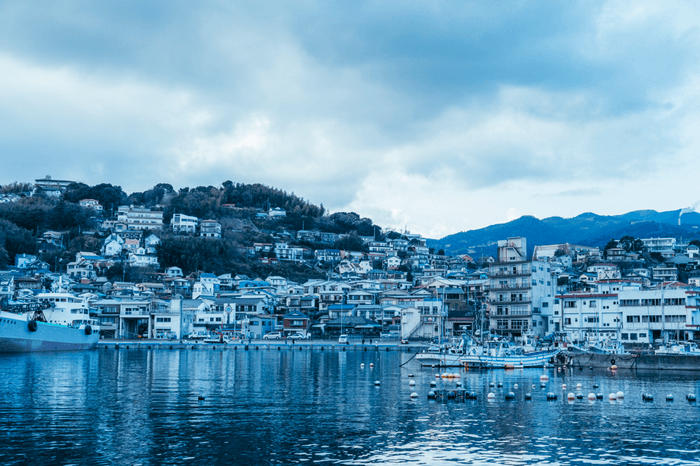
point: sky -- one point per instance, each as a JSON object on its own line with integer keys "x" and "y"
{"x": 433, "y": 116}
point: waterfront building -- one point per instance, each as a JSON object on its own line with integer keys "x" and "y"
{"x": 519, "y": 290}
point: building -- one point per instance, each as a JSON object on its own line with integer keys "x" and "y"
{"x": 210, "y": 229}
{"x": 140, "y": 218}
{"x": 52, "y": 187}
{"x": 182, "y": 223}
{"x": 519, "y": 291}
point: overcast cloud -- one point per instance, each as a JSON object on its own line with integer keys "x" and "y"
{"x": 437, "y": 116}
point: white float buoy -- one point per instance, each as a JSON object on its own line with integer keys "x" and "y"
{"x": 410, "y": 375}
{"x": 414, "y": 395}
{"x": 362, "y": 366}
{"x": 371, "y": 365}
{"x": 591, "y": 396}
{"x": 570, "y": 396}
{"x": 544, "y": 378}
{"x": 515, "y": 386}
{"x": 563, "y": 386}
{"x": 432, "y": 383}
{"x": 620, "y": 395}
{"x": 377, "y": 382}
{"x": 669, "y": 397}
{"x": 412, "y": 383}
{"x": 579, "y": 386}
{"x": 491, "y": 396}
{"x": 612, "y": 396}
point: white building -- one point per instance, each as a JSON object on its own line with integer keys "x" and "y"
{"x": 182, "y": 223}
{"x": 521, "y": 292}
{"x": 140, "y": 218}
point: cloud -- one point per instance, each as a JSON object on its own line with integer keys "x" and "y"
{"x": 438, "y": 116}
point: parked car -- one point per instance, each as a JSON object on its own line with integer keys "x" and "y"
{"x": 273, "y": 336}
{"x": 343, "y": 339}
{"x": 404, "y": 341}
{"x": 298, "y": 336}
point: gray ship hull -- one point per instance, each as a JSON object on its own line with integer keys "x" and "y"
{"x": 15, "y": 336}
{"x": 661, "y": 362}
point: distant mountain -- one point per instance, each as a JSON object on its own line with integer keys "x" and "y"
{"x": 587, "y": 229}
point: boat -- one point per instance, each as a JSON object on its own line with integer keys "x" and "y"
{"x": 687, "y": 348}
{"x": 50, "y": 322}
{"x": 442, "y": 356}
{"x": 495, "y": 354}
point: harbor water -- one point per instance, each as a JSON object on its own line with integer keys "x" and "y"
{"x": 160, "y": 406}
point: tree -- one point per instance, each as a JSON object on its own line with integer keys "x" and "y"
{"x": 441, "y": 252}
{"x": 351, "y": 242}
{"x": 611, "y": 244}
{"x": 694, "y": 242}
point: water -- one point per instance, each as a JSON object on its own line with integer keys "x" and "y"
{"x": 291, "y": 407}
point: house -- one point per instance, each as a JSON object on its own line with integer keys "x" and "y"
{"x": 276, "y": 212}
{"x": 112, "y": 246}
{"x": 173, "y": 272}
{"x": 92, "y": 204}
{"x": 210, "y": 229}
{"x": 140, "y": 218}
{"x": 22, "y": 261}
{"x": 139, "y": 258}
{"x": 150, "y": 243}
{"x": 295, "y": 322}
{"x": 181, "y": 223}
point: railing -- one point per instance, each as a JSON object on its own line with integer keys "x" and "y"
{"x": 510, "y": 287}
{"x": 517, "y": 273}
{"x": 508, "y": 301}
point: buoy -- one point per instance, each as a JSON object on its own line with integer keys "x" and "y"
{"x": 362, "y": 366}
{"x": 414, "y": 395}
{"x": 595, "y": 385}
{"x": 620, "y": 395}
{"x": 543, "y": 385}
{"x": 690, "y": 397}
{"x": 515, "y": 386}
{"x": 500, "y": 385}
{"x": 533, "y": 386}
{"x": 613, "y": 367}
{"x": 432, "y": 383}
{"x": 599, "y": 396}
{"x": 579, "y": 386}
{"x": 647, "y": 397}
{"x": 590, "y": 368}
{"x": 563, "y": 386}
{"x": 377, "y": 382}
{"x": 612, "y": 396}
{"x": 437, "y": 376}
{"x": 491, "y": 396}
{"x": 492, "y": 384}
{"x": 451, "y": 395}
{"x": 528, "y": 396}
{"x": 551, "y": 396}
{"x": 669, "y": 397}
{"x": 201, "y": 398}
{"x": 431, "y": 395}
{"x": 544, "y": 378}
{"x": 510, "y": 396}
{"x": 456, "y": 375}
{"x": 459, "y": 384}
{"x": 591, "y": 396}
{"x": 472, "y": 395}
{"x": 579, "y": 396}
{"x": 412, "y": 383}
{"x": 570, "y": 396}
{"x": 371, "y": 365}
{"x": 410, "y": 375}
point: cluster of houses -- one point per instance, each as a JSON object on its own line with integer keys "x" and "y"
{"x": 565, "y": 289}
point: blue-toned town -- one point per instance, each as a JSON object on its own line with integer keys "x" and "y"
{"x": 624, "y": 296}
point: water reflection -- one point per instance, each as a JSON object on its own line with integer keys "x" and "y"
{"x": 282, "y": 407}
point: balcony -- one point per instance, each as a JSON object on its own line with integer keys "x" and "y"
{"x": 505, "y": 302}
{"x": 510, "y": 273}
{"x": 510, "y": 287}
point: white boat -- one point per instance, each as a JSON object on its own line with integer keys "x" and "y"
{"x": 52, "y": 322}
{"x": 680, "y": 348}
{"x": 440, "y": 356}
{"x": 496, "y": 354}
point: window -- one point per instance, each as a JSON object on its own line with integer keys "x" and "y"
{"x": 569, "y": 304}
{"x": 633, "y": 319}
{"x": 162, "y": 319}
{"x": 642, "y": 335}
{"x": 567, "y": 321}
{"x": 624, "y": 336}
{"x": 545, "y": 304}
{"x": 633, "y": 336}
{"x": 593, "y": 304}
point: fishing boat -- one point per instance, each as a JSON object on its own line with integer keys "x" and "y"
{"x": 503, "y": 354}
{"x": 51, "y": 322}
{"x": 687, "y": 348}
{"x": 442, "y": 356}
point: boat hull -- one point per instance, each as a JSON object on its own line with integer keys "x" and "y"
{"x": 441, "y": 360}
{"x": 15, "y": 336}
{"x": 537, "y": 359}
